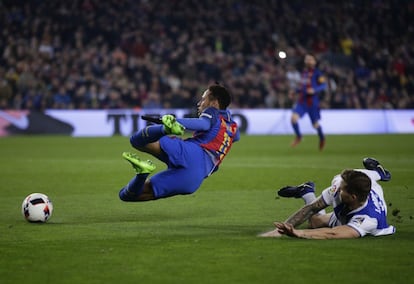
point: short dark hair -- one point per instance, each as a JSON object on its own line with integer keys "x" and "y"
{"x": 357, "y": 183}
{"x": 311, "y": 54}
{"x": 221, "y": 94}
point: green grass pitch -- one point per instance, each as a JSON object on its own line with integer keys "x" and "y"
{"x": 207, "y": 237}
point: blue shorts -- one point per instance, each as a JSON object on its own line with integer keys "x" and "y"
{"x": 188, "y": 165}
{"x": 313, "y": 111}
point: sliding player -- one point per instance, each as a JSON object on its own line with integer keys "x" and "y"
{"x": 359, "y": 207}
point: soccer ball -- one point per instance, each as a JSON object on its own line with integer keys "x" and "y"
{"x": 37, "y": 207}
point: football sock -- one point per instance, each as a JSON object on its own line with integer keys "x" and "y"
{"x": 309, "y": 198}
{"x": 320, "y": 133}
{"x": 147, "y": 135}
{"x": 296, "y": 129}
{"x": 134, "y": 188}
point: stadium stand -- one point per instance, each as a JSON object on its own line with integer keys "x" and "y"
{"x": 90, "y": 54}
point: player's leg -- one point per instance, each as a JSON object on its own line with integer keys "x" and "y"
{"x": 315, "y": 116}
{"x": 321, "y": 135}
{"x": 320, "y": 220}
{"x": 295, "y": 124}
{"x": 188, "y": 165}
{"x": 299, "y": 191}
{"x": 298, "y": 111}
{"x": 375, "y": 165}
{"x": 138, "y": 188}
{"x": 176, "y": 181}
{"x": 306, "y": 191}
{"x": 171, "y": 182}
{"x": 146, "y": 139}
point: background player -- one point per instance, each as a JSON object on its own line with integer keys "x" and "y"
{"x": 359, "y": 207}
{"x": 312, "y": 84}
{"x": 188, "y": 161}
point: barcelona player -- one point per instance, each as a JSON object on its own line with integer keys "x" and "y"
{"x": 312, "y": 84}
{"x": 189, "y": 161}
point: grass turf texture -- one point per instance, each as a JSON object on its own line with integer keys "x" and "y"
{"x": 207, "y": 237}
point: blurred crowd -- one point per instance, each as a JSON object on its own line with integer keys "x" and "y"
{"x": 107, "y": 54}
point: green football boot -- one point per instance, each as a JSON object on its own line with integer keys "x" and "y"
{"x": 140, "y": 166}
{"x": 171, "y": 125}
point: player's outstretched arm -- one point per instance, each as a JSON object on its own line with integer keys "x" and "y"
{"x": 199, "y": 123}
{"x": 339, "y": 232}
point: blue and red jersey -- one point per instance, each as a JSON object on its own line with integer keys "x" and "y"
{"x": 219, "y": 137}
{"x": 311, "y": 78}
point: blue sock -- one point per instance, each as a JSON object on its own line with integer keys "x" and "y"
{"x": 147, "y": 135}
{"x": 133, "y": 189}
{"x": 296, "y": 129}
{"x": 320, "y": 133}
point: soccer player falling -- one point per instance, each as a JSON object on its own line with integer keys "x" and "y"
{"x": 189, "y": 161}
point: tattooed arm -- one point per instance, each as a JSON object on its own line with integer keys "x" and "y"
{"x": 299, "y": 217}
{"x": 306, "y": 212}
{"x": 303, "y": 214}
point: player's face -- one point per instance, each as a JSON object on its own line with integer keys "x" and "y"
{"x": 204, "y": 102}
{"x": 310, "y": 61}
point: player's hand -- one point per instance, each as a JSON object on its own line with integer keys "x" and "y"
{"x": 286, "y": 229}
{"x": 171, "y": 125}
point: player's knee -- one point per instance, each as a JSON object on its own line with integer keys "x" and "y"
{"x": 133, "y": 140}
{"x": 136, "y": 140}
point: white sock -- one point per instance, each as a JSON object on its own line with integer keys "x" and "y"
{"x": 309, "y": 198}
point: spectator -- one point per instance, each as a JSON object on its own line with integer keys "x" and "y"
{"x": 61, "y": 99}
{"x": 134, "y": 47}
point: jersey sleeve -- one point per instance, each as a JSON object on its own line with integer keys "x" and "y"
{"x": 237, "y": 135}
{"x": 321, "y": 83}
{"x": 202, "y": 123}
{"x": 364, "y": 224}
